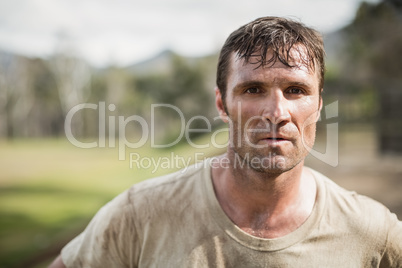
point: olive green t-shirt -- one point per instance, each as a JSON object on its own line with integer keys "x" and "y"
{"x": 176, "y": 221}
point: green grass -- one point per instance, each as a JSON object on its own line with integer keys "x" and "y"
{"x": 49, "y": 189}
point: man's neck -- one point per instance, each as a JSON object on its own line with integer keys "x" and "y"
{"x": 263, "y": 204}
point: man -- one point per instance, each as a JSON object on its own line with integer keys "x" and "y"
{"x": 257, "y": 205}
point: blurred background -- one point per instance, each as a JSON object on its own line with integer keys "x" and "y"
{"x": 127, "y": 55}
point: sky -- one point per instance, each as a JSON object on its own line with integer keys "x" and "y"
{"x": 123, "y": 32}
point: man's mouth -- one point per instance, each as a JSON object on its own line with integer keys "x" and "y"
{"x": 275, "y": 140}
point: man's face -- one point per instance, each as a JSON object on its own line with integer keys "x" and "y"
{"x": 272, "y": 111}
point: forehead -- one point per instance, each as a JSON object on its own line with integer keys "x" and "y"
{"x": 300, "y": 69}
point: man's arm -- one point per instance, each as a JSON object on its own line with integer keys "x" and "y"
{"x": 392, "y": 256}
{"x": 57, "y": 263}
{"x": 109, "y": 240}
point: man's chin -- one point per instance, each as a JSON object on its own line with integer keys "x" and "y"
{"x": 274, "y": 165}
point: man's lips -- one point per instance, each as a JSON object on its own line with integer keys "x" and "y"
{"x": 283, "y": 135}
{"x": 275, "y": 139}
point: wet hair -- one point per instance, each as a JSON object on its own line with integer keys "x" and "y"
{"x": 277, "y": 35}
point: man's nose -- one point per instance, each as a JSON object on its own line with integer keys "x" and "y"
{"x": 276, "y": 107}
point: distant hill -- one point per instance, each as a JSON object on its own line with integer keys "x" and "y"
{"x": 160, "y": 63}
{"x": 7, "y": 58}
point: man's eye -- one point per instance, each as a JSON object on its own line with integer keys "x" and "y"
{"x": 295, "y": 90}
{"x": 252, "y": 90}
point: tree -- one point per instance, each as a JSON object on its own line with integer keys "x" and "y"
{"x": 73, "y": 76}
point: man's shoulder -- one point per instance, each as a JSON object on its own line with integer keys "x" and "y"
{"x": 170, "y": 189}
{"x": 171, "y": 181}
{"x": 349, "y": 200}
{"x": 353, "y": 211}
{"x": 159, "y": 198}
{"x": 359, "y": 222}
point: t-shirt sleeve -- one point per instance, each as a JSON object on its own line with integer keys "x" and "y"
{"x": 110, "y": 239}
{"x": 392, "y": 256}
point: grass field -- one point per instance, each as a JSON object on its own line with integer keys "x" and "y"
{"x": 49, "y": 190}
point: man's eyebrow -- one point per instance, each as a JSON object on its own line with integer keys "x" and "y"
{"x": 251, "y": 83}
{"x": 299, "y": 83}
{"x": 257, "y": 83}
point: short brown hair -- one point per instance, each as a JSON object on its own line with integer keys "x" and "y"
{"x": 279, "y": 35}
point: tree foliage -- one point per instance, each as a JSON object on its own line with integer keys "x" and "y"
{"x": 37, "y": 94}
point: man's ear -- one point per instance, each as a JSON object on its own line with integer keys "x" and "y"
{"x": 319, "y": 108}
{"x": 219, "y": 105}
